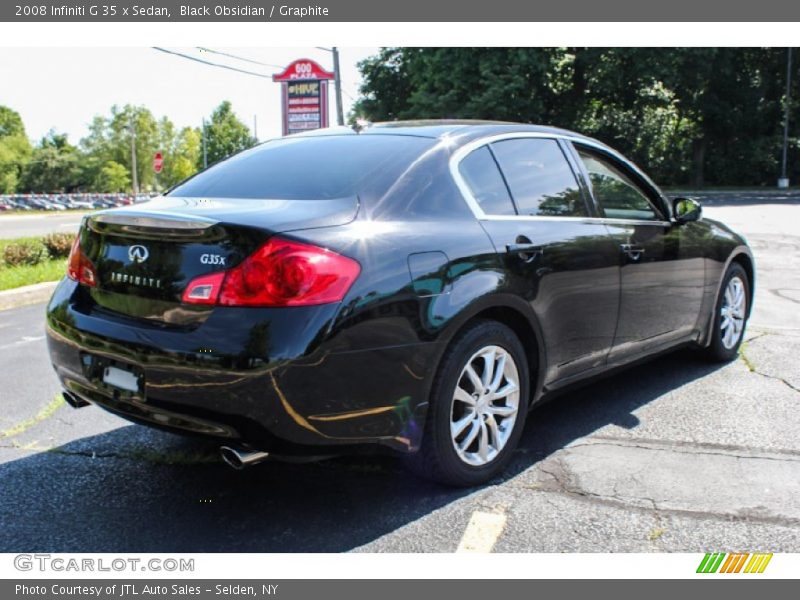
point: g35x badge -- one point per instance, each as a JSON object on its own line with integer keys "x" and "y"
{"x": 212, "y": 259}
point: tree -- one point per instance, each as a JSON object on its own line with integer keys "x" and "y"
{"x": 467, "y": 83}
{"x": 112, "y": 177}
{"x": 109, "y": 140}
{"x": 15, "y": 150}
{"x": 225, "y": 135}
{"x": 55, "y": 166}
{"x": 182, "y": 151}
{"x": 688, "y": 115}
{"x": 10, "y": 123}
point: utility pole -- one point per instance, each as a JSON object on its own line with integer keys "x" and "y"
{"x": 134, "y": 173}
{"x": 783, "y": 182}
{"x": 205, "y": 149}
{"x": 338, "y": 85}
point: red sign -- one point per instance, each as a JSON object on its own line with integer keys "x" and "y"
{"x": 158, "y": 162}
{"x": 303, "y": 69}
{"x": 304, "y": 87}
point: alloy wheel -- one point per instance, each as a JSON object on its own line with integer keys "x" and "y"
{"x": 485, "y": 405}
{"x": 732, "y": 312}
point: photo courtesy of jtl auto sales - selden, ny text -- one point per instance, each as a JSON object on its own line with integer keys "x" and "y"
{"x": 373, "y": 300}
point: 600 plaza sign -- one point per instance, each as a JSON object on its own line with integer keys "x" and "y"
{"x": 304, "y": 89}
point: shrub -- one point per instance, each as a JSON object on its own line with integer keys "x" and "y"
{"x": 58, "y": 245}
{"x": 23, "y": 253}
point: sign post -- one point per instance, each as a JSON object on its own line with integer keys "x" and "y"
{"x": 304, "y": 91}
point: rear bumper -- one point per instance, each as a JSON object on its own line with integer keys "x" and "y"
{"x": 281, "y": 383}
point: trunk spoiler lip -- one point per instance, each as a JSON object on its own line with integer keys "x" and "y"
{"x": 161, "y": 218}
{"x": 147, "y": 220}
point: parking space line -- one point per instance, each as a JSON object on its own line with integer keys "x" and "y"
{"x": 482, "y": 532}
{"x": 56, "y": 403}
{"x": 25, "y": 339}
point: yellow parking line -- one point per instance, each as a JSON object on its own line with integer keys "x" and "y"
{"x": 482, "y": 532}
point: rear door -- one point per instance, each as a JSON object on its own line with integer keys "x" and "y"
{"x": 662, "y": 273}
{"x": 557, "y": 256}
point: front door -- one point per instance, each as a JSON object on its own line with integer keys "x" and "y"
{"x": 662, "y": 268}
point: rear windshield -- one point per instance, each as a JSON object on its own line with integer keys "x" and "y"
{"x": 308, "y": 168}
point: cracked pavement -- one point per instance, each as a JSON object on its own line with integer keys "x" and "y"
{"x": 673, "y": 455}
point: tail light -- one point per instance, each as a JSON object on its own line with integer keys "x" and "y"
{"x": 79, "y": 267}
{"x": 279, "y": 273}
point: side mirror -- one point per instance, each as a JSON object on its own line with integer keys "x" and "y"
{"x": 686, "y": 209}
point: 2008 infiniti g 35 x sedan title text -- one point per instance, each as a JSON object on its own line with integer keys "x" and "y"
{"x": 416, "y": 286}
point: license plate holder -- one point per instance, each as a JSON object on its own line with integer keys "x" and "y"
{"x": 121, "y": 378}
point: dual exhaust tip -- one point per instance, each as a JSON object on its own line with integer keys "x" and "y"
{"x": 73, "y": 400}
{"x": 240, "y": 459}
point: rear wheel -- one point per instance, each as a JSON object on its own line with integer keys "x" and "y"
{"x": 730, "y": 315}
{"x": 478, "y": 406}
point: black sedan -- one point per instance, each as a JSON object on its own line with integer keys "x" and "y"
{"x": 415, "y": 286}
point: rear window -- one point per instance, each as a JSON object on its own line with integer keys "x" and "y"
{"x": 308, "y": 168}
{"x": 486, "y": 183}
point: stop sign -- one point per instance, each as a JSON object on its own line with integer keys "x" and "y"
{"x": 158, "y": 162}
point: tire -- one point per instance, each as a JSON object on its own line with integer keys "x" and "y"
{"x": 727, "y": 335}
{"x": 456, "y": 400}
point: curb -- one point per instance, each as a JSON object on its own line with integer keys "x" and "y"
{"x": 28, "y": 294}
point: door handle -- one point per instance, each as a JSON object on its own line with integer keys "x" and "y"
{"x": 632, "y": 251}
{"x": 527, "y": 251}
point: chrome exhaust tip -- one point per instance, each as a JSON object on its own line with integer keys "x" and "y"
{"x": 73, "y": 400}
{"x": 239, "y": 459}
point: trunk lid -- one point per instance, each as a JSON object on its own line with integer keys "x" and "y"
{"x": 145, "y": 255}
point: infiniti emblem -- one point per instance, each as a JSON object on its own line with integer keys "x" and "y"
{"x": 138, "y": 253}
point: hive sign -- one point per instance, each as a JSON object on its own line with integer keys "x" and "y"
{"x": 304, "y": 92}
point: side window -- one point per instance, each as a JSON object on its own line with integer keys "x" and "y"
{"x": 539, "y": 177}
{"x": 619, "y": 197}
{"x": 480, "y": 171}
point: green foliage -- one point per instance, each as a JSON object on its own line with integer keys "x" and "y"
{"x": 687, "y": 115}
{"x": 54, "y": 166}
{"x": 58, "y": 245}
{"x": 182, "y": 154}
{"x": 10, "y": 123}
{"x": 109, "y": 145}
{"x": 15, "y": 150}
{"x": 47, "y": 270}
{"x": 23, "y": 253}
{"x": 225, "y": 135}
{"x": 112, "y": 177}
{"x": 26, "y": 273}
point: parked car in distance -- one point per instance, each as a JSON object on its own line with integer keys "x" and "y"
{"x": 415, "y": 286}
{"x": 70, "y": 201}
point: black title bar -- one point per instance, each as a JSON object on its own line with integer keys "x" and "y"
{"x": 399, "y": 10}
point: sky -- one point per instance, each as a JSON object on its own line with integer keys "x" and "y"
{"x": 64, "y": 88}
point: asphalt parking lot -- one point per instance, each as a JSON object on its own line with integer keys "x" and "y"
{"x": 673, "y": 455}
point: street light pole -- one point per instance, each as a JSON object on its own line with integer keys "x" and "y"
{"x": 338, "y": 85}
{"x": 205, "y": 149}
{"x": 783, "y": 182}
{"x": 134, "y": 170}
{"x": 337, "y": 82}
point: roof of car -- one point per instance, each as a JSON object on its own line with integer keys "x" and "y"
{"x": 440, "y": 128}
{"x": 464, "y": 130}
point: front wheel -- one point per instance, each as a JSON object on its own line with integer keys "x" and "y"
{"x": 478, "y": 406}
{"x": 730, "y": 315}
